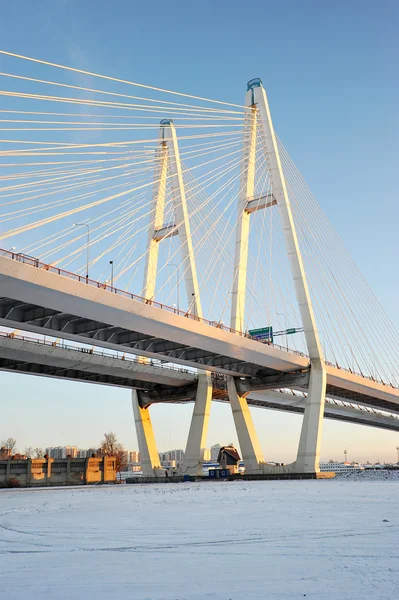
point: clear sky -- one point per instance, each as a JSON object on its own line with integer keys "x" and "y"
{"x": 330, "y": 69}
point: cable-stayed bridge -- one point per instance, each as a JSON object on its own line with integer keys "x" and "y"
{"x": 147, "y": 240}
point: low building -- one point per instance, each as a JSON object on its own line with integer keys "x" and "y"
{"x": 229, "y": 458}
{"x": 56, "y": 471}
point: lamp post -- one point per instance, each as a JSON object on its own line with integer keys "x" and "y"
{"x": 87, "y": 246}
{"x": 178, "y": 282}
{"x": 286, "y": 327}
{"x": 111, "y": 262}
{"x": 193, "y": 304}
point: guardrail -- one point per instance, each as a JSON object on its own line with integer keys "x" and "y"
{"x": 103, "y": 353}
{"x": 35, "y": 262}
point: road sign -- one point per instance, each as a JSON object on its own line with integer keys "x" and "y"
{"x": 264, "y": 333}
{"x": 292, "y": 330}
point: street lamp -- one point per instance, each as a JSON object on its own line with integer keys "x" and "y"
{"x": 286, "y": 327}
{"x": 178, "y": 282}
{"x": 87, "y": 246}
{"x": 193, "y": 304}
{"x": 111, "y": 262}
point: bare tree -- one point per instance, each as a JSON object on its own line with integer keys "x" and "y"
{"x": 10, "y": 444}
{"x": 28, "y": 451}
{"x": 120, "y": 460}
{"x": 111, "y": 447}
{"x": 38, "y": 453}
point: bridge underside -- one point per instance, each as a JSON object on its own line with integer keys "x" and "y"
{"x": 38, "y": 319}
{"x": 161, "y": 384}
{"x": 45, "y": 321}
{"x": 165, "y": 394}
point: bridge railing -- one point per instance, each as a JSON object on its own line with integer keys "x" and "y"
{"x": 95, "y": 352}
{"x": 353, "y": 372}
{"x": 35, "y": 262}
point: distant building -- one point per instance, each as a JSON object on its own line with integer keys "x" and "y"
{"x": 215, "y": 452}
{"x": 133, "y": 456}
{"x": 88, "y": 453}
{"x": 172, "y": 458}
{"x": 62, "y": 451}
{"x": 340, "y": 467}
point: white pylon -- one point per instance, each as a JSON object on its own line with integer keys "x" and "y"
{"x": 168, "y": 159}
{"x": 309, "y": 444}
{"x": 310, "y": 439}
{"x": 246, "y": 192}
{"x": 156, "y": 219}
{"x": 249, "y": 444}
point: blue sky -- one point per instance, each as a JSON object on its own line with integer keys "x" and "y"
{"x": 330, "y": 69}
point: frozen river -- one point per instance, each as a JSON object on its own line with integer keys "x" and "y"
{"x": 323, "y": 540}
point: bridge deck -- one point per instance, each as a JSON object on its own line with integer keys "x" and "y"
{"x": 36, "y": 299}
{"x": 34, "y": 356}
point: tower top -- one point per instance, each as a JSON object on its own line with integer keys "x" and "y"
{"x": 253, "y": 83}
{"x": 166, "y": 122}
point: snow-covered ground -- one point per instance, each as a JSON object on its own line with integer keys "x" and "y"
{"x": 323, "y": 540}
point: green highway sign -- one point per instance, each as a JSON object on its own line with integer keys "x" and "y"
{"x": 261, "y": 330}
{"x": 292, "y": 330}
{"x": 264, "y": 333}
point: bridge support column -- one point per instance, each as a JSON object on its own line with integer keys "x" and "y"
{"x": 149, "y": 457}
{"x": 251, "y": 452}
{"x": 196, "y": 441}
{"x": 308, "y": 456}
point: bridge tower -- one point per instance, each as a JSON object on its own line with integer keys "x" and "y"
{"x": 309, "y": 444}
{"x": 168, "y": 166}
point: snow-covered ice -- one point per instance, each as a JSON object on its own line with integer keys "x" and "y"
{"x": 323, "y": 540}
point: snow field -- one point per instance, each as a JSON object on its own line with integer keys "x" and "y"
{"x": 283, "y": 540}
